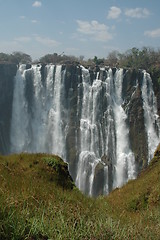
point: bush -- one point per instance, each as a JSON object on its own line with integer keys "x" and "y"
{"x": 53, "y": 162}
{"x": 62, "y": 176}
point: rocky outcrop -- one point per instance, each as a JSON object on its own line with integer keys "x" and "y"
{"x": 155, "y": 75}
{"x": 7, "y": 73}
{"x": 133, "y": 105}
{"x": 72, "y": 79}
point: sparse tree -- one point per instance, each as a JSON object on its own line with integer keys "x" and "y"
{"x": 112, "y": 58}
{"x": 20, "y": 57}
{"x": 4, "y": 57}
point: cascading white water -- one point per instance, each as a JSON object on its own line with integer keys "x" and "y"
{"x": 19, "y": 123}
{"x": 40, "y": 129}
{"x": 96, "y": 128}
{"x": 37, "y": 124}
{"x": 109, "y": 131}
{"x": 125, "y": 161}
{"x": 89, "y": 142}
{"x": 150, "y": 114}
{"x": 116, "y": 133}
{"x": 55, "y": 124}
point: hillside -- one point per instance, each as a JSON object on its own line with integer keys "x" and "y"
{"x": 137, "y": 204}
{"x": 38, "y": 200}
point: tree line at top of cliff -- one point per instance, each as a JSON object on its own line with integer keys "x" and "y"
{"x": 145, "y": 58}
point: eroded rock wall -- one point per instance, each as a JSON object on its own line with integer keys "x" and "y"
{"x": 7, "y": 74}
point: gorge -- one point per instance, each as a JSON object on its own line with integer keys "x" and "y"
{"x": 104, "y": 122}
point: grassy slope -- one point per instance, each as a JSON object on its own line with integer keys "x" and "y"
{"x": 137, "y": 204}
{"x": 39, "y": 201}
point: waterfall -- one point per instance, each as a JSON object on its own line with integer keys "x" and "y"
{"x": 116, "y": 134}
{"x": 79, "y": 115}
{"x": 55, "y": 118}
{"x": 19, "y": 124}
{"x": 37, "y": 127}
{"x": 150, "y": 114}
{"x": 125, "y": 162}
{"x": 90, "y": 141}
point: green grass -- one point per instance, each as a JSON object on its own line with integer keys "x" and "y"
{"x": 38, "y": 201}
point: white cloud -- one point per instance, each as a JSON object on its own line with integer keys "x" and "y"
{"x": 47, "y": 41}
{"x": 96, "y": 30}
{"x": 80, "y": 38}
{"x": 22, "y": 39}
{"x": 153, "y": 33}
{"x": 114, "y": 13}
{"x": 22, "y": 17}
{"x": 137, "y": 12}
{"x": 37, "y": 4}
{"x": 34, "y": 21}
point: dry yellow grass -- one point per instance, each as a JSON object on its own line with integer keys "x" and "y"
{"x": 38, "y": 200}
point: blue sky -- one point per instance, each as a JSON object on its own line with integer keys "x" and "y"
{"x": 87, "y": 27}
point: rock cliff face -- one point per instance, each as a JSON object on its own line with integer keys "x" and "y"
{"x": 133, "y": 105}
{"x": 7, "y": 74}
{"x": 96, "y": 120}
{"x": 155, "y": 75}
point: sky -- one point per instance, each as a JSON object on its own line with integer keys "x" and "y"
{"x": 78, "y": 27}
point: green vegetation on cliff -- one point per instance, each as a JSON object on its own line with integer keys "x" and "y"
{"x": 145, "y": 58}
{"x": 15, "y": 57}
{"x": 38, "y": 200}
